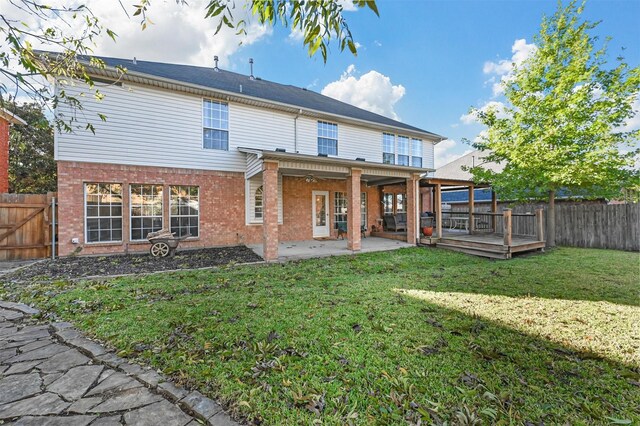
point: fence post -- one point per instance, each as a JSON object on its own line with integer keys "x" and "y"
{"x": 494, "y": 210}
{"x": 540, "y": 224}
{"x": 506, "y": 220}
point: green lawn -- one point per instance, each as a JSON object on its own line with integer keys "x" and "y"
{"x": 409, "y": 336}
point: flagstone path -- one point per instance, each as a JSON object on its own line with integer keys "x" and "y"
{"x": 52, "y": 375}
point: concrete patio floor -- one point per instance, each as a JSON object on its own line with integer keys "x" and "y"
{"x": 292, "y": 250}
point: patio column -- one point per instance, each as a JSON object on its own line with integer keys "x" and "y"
{"x": 437, "y": 203}
{"x": 353, "y": 210}
{"x": 472, "y": 224}
{"x": 270, "y": 238}
{"x": 412, "y": 209}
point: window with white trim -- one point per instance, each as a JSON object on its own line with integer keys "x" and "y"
{"x": 103, "y": 212}
{"x": 403, "y": 151}
{"x": 401, "y": 203}
{"x": 327, "y": 138}
{"x": 145, "y": 209}
{"x": 388, "y": 148}
{"x": 416, "y": 152}
{"x": 340, "y": 210}
{"x": 215, "y": 123}
{"x": 184, "y": 210}
{"x": 363, "y": 210}
{"x": 257, "y": 205}
{"x": 387, "y": 201}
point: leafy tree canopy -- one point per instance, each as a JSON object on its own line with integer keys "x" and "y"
{"x": 32, "y": 169}
{"x": 563, "y": 125}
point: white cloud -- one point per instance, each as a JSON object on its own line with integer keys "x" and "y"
{"x": 372, "y": 91}
{"x": 472, "y": 116}
{"x": 377, "y": 43}
{"x": 347, "y": 5}
{"x": 449, "y": 150}
{"x": 504, "y": 68}
{"x": 179, "y": 33}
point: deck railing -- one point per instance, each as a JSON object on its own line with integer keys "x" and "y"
{"x": 506, "y": 223}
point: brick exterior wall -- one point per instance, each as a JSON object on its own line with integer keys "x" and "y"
{"x": 270, "y": 237}
{"x": 4, "y": 155}
{"x": 222, "y": 205}
{"x": 353, "y": 207}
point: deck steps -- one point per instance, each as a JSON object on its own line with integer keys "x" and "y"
{"x": 483, "y": 252}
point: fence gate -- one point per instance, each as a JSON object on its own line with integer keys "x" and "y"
{"x": 25, "y": 226}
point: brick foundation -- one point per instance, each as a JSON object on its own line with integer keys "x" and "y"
{"x": 222, "y": 205}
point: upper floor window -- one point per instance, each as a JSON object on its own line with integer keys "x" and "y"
{"x": 215, "y": 133}
{"x": 327, "y": 138}
{"x": 416, "y": 152}
{"x": 403, "y": 151}
{"x": 103, "y": 212}
{"x": 388, "y": 148}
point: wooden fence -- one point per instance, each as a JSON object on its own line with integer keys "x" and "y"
{"x": 25, "y": 226}
{"x": 611, "y": 226}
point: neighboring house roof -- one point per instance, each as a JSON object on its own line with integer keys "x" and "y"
{"x": 480, "y": 195}
{"x": 453, "y": 170}
{"x": 242, "y": 85}
{"x": 11, "y": 117}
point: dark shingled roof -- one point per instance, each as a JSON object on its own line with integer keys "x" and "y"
{"x": 258, "y": 88}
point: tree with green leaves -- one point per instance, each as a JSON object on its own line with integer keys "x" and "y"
{"x": 32, "y": 169}
{"x": 563, "y": 125}
{"x": 74, "y": 30}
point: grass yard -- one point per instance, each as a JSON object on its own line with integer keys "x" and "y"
{"x": 401, "y": 337}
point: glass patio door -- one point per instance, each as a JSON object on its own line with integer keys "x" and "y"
{"x": 320, "y": 200}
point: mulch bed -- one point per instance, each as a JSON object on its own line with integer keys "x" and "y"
{"x": 87, "y": 266}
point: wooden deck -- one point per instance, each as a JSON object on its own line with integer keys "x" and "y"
{"x": 485, "y": 245}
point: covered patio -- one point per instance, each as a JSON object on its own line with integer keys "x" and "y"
{"x": 318, "y": 199}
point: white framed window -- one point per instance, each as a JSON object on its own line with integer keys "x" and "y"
{"x": 215, "y": 123}
{"x": 363, "y": 210}
{"x": 258, "y": 203}
{"x": 145, "y": 210}
{"x": 327, "y": 138}
{"x": 401, "y": 203}
{"x": 416, "y": 152}
{"x": 184, "y": 210}
{"x": 387, "y": 201}
{"x": 103, "y": 212}
{"x": 403, "y": 151}
{"x": 340, "y": 210}
{"x": 388, "y": 148}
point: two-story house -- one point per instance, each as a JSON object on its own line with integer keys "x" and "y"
{"x": 228, "y": 159}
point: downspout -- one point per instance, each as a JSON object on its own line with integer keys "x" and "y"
{"x": 295, "y": 132}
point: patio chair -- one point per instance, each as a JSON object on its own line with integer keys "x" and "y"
{"x": 391, "y": 224}
{"x": 342, "y": 230}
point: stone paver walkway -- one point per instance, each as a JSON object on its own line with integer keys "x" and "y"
{"x": 52, "y": 375}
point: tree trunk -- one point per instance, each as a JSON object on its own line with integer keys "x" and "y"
{"x": 551, "y": 220}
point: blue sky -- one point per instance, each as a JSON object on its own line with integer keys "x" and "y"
{"x": 437, "y": 50}
{"x": 424, "y": 62}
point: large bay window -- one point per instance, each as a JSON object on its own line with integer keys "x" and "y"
{"x": 145, "y": 203}
{"x": 185, "y": 210}
{"x": 215, "y": 133}
{"x": 327, "y": 138}
{"x": 103, "y": 212}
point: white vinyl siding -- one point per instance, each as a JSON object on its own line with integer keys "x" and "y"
{"x": 155, "y": 127}
{"x": 250, "y": 200}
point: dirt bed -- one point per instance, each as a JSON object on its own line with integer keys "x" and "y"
{"x": 86, "y": 266}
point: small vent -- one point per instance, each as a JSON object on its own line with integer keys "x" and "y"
{"x": 281, "y": 150}
{"x": 360, "y": 159}
{"x": 323, "y": 155}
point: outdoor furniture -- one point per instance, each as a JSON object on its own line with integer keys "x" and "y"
{"x": 164, "y": 243}
{"x": 393, "y": 223}
{"x": 342, "y": 230}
